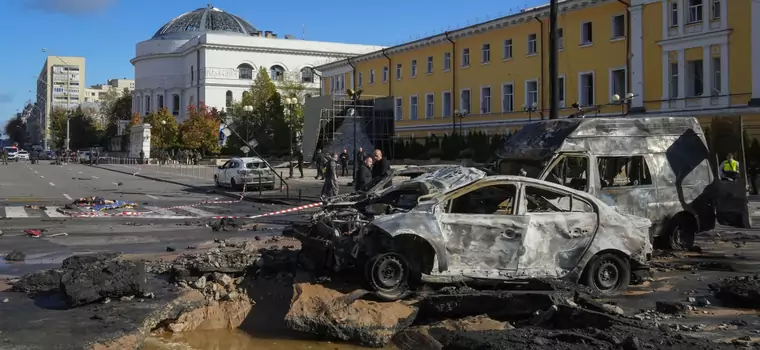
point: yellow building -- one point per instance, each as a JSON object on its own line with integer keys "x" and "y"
{"x": 497, "y": 71}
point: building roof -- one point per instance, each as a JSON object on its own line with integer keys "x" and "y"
{"x": 204, "y": 20}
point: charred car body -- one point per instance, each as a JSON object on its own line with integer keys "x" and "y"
{"x": 456, "y": 224}
{"x": 653, "y": 167}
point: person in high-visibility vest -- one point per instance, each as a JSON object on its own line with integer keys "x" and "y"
{"x": 730, "y": 167}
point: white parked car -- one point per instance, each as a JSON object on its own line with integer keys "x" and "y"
{"x": 22, "y": 155}
{"x": 245, "y": 172}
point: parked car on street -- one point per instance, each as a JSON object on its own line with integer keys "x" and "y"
{"x": 22, "y": 155}
{"x": 455, "y": 224}
{"x": 241, "y": 173}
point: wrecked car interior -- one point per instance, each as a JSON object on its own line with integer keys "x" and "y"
{"x": 456, "y": 224}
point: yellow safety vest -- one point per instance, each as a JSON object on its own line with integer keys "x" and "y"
{"x": 730, "y": 165}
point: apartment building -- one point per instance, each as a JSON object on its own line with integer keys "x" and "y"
{"x": 60, "y": 84}
{"x": 96, "y": 93}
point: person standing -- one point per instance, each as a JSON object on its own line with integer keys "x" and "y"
{"x": 330, "y": 188}
{"x": 5, "y": 156}
{"x": 363, "y": 174}
{"x": 300, "y": 161}
{"x": 730, "y": 168}
{"x": 381, "y": 168}
{"x": 142, "y": 157}
{"x": 319, "y": 161}
{"x": 361, "y": 155}
{"x": 344, "y": 162}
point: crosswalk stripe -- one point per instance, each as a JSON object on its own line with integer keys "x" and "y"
{"x": 199, "y": 212}
{"x": 15, "y": 212}
{"x": 53, "y": 213}
{"x": 161, "y": 211}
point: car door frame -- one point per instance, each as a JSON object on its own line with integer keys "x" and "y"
{"x": 591, "y": 174}
{"x": 221, "y": 173}
{"x": 570, "y": 247}
{"x": 230, "y": 170}
{"x": 454, "y": 241}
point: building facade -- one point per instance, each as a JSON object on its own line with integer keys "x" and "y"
{"x": 677, "y": 57}
{"x": 211, "y": 56}
{"x": 96, "y": 93}
{"x": 60, "y": 84}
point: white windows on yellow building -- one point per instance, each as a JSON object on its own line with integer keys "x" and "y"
{"x": 485, "y": 100}
{"x": 586, "y": 88}
{"x": 506, "y": 53}
{"x": 446, "y": 61}
{"x": 399, "y": 68}
{"x": 360, "y": 79}
{"x": 399, "y": 108}
{"x": 618, "y": 83}
{"x": 414, "y": 68}
{"x": 429, "y": 65}
{"x": 485, "y": 54}
{"x": 587, "y": 31}
{"x": 531, "y": 94}
{"x": 507, "y": 97}
{"x": 532, "y": 45}
{"x": 464, "y": 101}
{"x": 385, "y": 74}
{"x": 465, "y": 57}
{"x": 447, "y": 104}
{"x": 429, "y": 106}
{"x": 413, "y": 107}
{"x": 371, "y": 76}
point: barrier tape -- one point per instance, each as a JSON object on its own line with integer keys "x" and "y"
{"x": 99, "y": 214}
{"x": 285, "y": 211}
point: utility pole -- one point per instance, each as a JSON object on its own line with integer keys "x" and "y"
{"x": 553, "y": 58}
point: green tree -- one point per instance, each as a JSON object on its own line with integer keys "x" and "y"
{"x": 58, "y": 127}
{"x": 201, "y": 130}
{"x": 293, "y": 87}
{"x": 117, "y": 106}
{"x": 163, "y": 129}
{"x": 83, "y": 130}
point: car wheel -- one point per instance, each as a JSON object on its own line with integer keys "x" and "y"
{"x": 608, "y": 274}
{"x": 233, "y": 184}
{"x": 682, "y": 232}
{"x": 216, "y": 181}
{"x": 388, "y": 275}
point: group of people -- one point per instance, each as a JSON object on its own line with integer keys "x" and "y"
{"x": 371, "y": 169}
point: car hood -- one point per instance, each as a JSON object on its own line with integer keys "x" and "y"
{"x": 447, "y": 179}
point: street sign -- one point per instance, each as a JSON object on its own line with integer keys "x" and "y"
{"x": 226, "y": 132}
{"x": 253, "y": 143}
{"x": 245, "y": 149}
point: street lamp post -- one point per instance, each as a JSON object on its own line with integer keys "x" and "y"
{"x": 354, "y": 96}
{"x": 623, "y": 102}
{"x": 290, "y": 103}
{"x": 460, "y": 114}
{"x": 248, "y": 109}
{"x": 530, "y": 109}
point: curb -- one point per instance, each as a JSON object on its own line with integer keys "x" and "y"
{"x": 275, "y": 200}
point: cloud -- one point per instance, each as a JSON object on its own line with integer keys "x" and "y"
{"x": 70, "y": 7}
{"x": 6, "y": 97}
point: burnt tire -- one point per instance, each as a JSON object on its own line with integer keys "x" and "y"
{"x": 681, "y": 233}
{"x": 607, "y": 273}
{"x": 388, "y": 275}
{"x": 233, "y": 184}
{"x": 216, "y": 181}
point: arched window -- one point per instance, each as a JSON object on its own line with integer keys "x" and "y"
{"x": 228, "y": 102}
{"x": 175, "y": 104}
{"x": 245, "y": 71}
{"x": 277, "y": 73}
{"x": 307, "y": 75}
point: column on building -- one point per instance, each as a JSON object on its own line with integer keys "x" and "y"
{"x": 637, "y": 59}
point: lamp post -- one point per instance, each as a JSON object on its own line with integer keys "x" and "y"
{"x": 530, "y": 109}
{"x": 460, "y": 114}
{"x": 623, "y": 102}
{"x": 290, "y": 103}
{"x": 354, "y": 96}
{"x": 248, "y": 109}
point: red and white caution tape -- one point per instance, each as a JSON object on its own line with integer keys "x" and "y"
{"x": 286, "y": 211}
{"x": 207, "y": 202}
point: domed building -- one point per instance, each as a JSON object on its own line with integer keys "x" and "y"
{"x": 211, "y": 56}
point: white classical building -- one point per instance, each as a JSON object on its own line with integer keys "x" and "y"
{"x": 211, "y": 56}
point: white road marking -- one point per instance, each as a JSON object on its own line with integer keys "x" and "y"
{"x": 51, "y": 184}
{"x": 154, "y": 197}
{"x": 115, "y": 183}
{"x": 36, "y": 172}
{"x": 42, "y": 177}
{"x": 68, "y": 197}
{"x": 79, "y": 172}
{"x": 15, "y": 212}
{"x": 160, "y": 211}
{"x": 95, "y": 177}
{"x": 71, "y": 169}
{"x": 53, "y": 213}
{"x": 199, "y": 212}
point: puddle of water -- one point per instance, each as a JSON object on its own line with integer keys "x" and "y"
{"x": 237, "y": 340}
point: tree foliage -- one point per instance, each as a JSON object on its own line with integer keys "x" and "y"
{"x": 15, "y": 128}
{"x": 293, "y": 87}
{"x": 201, "y": 129}
{"x": 117, "y": 106}
{"x": 82, "y": 129}
{"x": 163, "y": 129}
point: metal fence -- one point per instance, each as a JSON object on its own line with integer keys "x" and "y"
{"x": 186, "y": 169}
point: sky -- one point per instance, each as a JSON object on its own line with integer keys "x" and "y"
{"x": 105, "y": 31}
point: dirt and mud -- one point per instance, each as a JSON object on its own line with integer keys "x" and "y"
{"x": 706, "y": 298}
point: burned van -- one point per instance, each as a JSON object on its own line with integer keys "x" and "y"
{"x": 653, "y": 167}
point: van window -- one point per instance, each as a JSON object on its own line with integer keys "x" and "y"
{"x": 570, "y": 171}
{"x": 495, "y": 199}
{"x": 623, "y": 171}
{"x": 540, "y": 200}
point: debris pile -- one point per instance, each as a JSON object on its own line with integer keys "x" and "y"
{"x": 739, "y": 291}
{"x": 15, "y": 256}
{"x": 100, "y": 204}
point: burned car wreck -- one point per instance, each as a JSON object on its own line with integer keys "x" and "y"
{"x": 456, "y": 224}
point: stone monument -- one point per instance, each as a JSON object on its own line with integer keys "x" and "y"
{"x": 139, "y": 140}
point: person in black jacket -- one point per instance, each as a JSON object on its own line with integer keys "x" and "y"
{"x": 300, "y": 161}
{"x": 380, "y": 168}
{"x": 344, "y": 162}
{"x": 363, "y": 174}
{"x": 319, "y": 161}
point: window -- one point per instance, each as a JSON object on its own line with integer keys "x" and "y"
{"x": 561, "y": 90}
{"x": 716, "y": 79}
{"x": 485, "y": 53}
{"x": 430, "y": 64}
{"x": 673, "y": 79}
{"x": 175, "y": 104}
{"x": 587, "y": 33}
{"x": 414, "y": 68}
{"x": 360, "y": 79}
{"x": 618, "y": 82}
{"x": 447, "y": 61}
{"x": 695, "y": 11}
{"x": 490, "y": 200}
{"x": 542, "y": 200}
{"x": 277, "y": 73}
{"x": 398, "y": 71}
{"x": 560, "y": 39}
{"x": 623, "y": 171}
{"x": 447, "y": 105}
{"x": 618, "y": 26}
{"x": 465, "y": 57}
{"x": 464, "y": 100}
{"x": 385, "y": 74}
{"x": 228, "y": 99}
{"x": 429, "y": 106}
{"x": 715, "y": 10}
{"x": 531, "y": 93}
{"x": 371, "y": 76}
{"x": 160, "y": 101}
{"x": 694, "y": 73}
{"x": 413, "y": 111}
{"x": 507, "y": 50}
{"x": 570, "y": 171}
{"x": 245, "y": 71}
{"x": 192, "y": 75}
{"x": 587, "y": 89}
{"x": 532, "y": 45}
{"x": 485, "y": 100}
{"x": 307, "y": 75}
{"x": 399, "y": 108}
{"x": 147, "y": 104}
{"x": 674, "y": 14}
{"x": 507, "y": 98}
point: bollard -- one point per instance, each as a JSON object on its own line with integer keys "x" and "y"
{"x": 299, "y": 196}
{"x": 259, "y": 184}
{"x": 281, "y": 182}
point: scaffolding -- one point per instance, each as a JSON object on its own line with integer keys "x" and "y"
{"x": 374, "y": 122}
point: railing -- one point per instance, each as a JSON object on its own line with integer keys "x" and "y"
{"x": 184, "y": 168}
